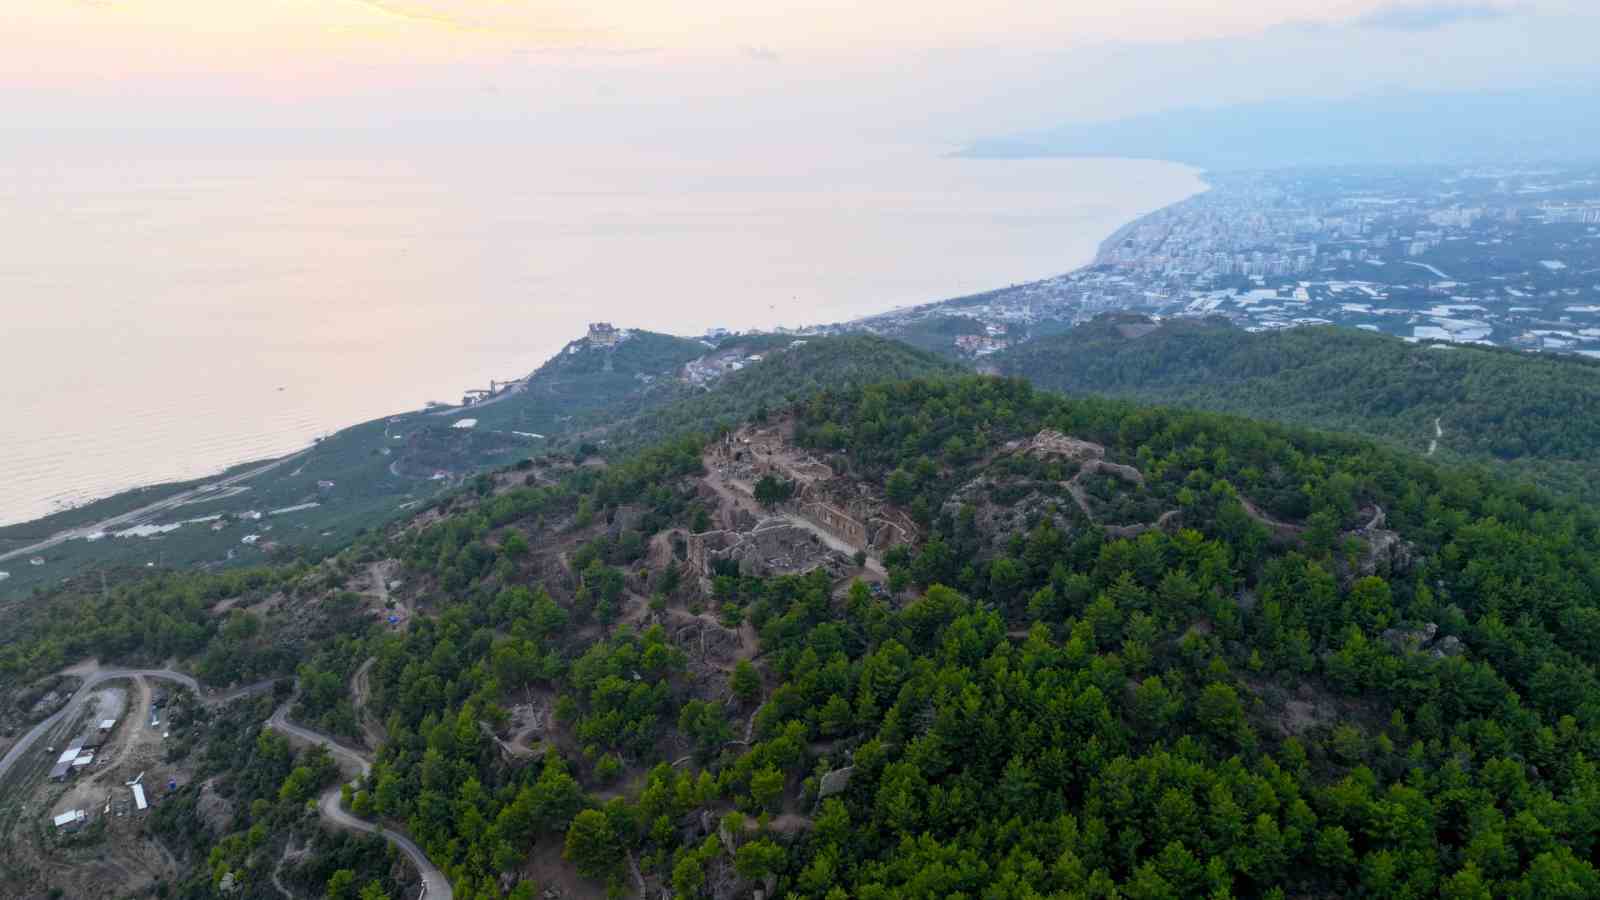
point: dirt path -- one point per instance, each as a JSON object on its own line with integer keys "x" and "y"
{"x": 380, "y": 583}
{"x": 660, "y": 554}
{"x": 731, "y": 500}
{"x": 750, "y": 726}
{"x": 379, "y": 574}
{"x": 361, "y": 691}
{"x": 277, "y": 870}
{"x": 749, "y": 642}
{"x": 1442, "y": 276}
{"x": 1081, "y": 497}
{"x": 790, "y": 823}
{"x": 133, "y": 729}
{"x": 435, "y": 885}
{"x": 1255, "y": 512}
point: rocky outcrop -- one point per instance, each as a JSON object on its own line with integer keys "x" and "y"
{"x": 1117, "y": 470}
{"x": 834, "y": 782}
{"x": 1050, "y": 443}
{"x": 1033, "y": 502}
{"x": 1423, "y": 640}
{"x": 1387, "y": 552}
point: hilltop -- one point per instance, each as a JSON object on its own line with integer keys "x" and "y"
{"x": 586, "y": 400}
{"x": 1531, "y": 416}
{"x": 921, "y": 637}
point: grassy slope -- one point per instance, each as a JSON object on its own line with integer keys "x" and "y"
{"x": 1533, "y": 416}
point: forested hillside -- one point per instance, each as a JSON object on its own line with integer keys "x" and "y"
{"x": 583, "y": 400}
{"x": 1124, "y": 652}
{"x": 778, "y": 380}
{"x": 1532, "y": 416}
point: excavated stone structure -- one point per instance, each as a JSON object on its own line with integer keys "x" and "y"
{"x": 845, "y": 510}
{"x": 772, "y": 546}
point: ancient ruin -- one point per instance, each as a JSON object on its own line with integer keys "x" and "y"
{"x": 826, "y": 520}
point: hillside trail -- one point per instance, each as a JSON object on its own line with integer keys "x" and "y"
{"x": 1281, "y": 528}
{"x": 379, "y": 574}
{"x": 289, "y": 852}
{"x": 372, "y": 730}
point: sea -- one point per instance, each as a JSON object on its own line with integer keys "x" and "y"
{"x": 166, "y": 313}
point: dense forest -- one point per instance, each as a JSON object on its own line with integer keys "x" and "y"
{"x": 1189, "y": 655}
{"x": 780, "y": 379}
{"x": 1533, "y": 416}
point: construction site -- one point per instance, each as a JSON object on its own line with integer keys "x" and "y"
{"x": 78, "y": 788}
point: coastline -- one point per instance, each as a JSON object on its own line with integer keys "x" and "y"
{"x": 1100, "y": 251}
{"x": 62, "y": 524}
{"x": 1120, "y": 234}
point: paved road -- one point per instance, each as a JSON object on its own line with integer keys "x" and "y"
{"x": 434, "y": 885}
{"x": 516, "y": 387}
{"x": 1442, "y": 276}
{"x": 145, "y": 512}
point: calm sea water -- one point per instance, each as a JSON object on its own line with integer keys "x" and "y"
{"x": 162, "y": 317}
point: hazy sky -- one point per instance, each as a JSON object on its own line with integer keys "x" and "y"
{"x": 941, "y": 71}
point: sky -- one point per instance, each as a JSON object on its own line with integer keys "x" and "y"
{"x": 739, "y": 71}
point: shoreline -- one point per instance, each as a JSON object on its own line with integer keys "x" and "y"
{"x": 1127, "y": 228}
{"x": 1095, "y": 260}
{"x": 78, "y": 517}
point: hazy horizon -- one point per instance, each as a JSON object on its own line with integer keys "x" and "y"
{"x": 714, "y": 74}
{"x": 173, "y": 317}
{"x": 801, "y": 101}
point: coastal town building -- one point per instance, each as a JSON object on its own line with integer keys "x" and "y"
{"x": 1397, "y": 253}
{"x": 604, "y": 334}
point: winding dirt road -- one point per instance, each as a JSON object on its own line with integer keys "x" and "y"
{"x": 434, "y": 885}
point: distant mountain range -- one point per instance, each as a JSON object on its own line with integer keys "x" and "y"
{"x": 1401, "y": 129}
